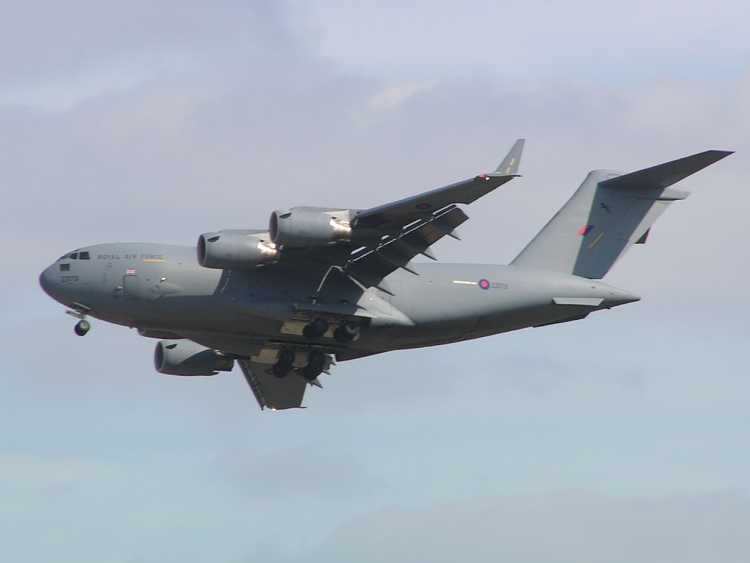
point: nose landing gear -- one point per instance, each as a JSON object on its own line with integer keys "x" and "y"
{"x": 79, "y": 312}
{"x": 82, "y": 327}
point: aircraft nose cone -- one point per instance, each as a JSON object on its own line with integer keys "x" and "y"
{"x": 47, "y": 282}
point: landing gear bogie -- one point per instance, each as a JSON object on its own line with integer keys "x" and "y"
{"x": 347, "y": 332}
{"x": 316, "y": 363}
{"x": 284, "y": 364}
{"x": 315, "y": 329}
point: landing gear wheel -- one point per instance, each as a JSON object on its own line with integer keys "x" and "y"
{"x": 316, "y": 363}
{"x": 284, "y": 364}
{"x": 315, "y": 329}
{"x": 347, "y": 332}
{"x": 82, "y": 327}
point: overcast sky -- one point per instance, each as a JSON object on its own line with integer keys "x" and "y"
{"x": 621, "y": 438}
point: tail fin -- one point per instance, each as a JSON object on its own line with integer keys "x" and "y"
{"x": 607, "y": 214}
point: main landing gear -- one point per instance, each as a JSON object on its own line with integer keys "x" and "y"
{"x": 347, "y": 332}
{"x": 284, "y": 364}
{"x": 317, "y": 363}
{"x": 344, "y": 333}
{"x": 315, "y": 329}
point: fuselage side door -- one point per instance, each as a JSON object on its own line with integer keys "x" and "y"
{"x": 130, "y": 285}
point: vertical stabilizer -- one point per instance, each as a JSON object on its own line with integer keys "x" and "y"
{"x": 606, "y": 215}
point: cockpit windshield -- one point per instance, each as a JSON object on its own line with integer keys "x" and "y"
{"x": 76, "y": 255}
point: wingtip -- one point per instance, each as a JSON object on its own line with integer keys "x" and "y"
{"x": 510, "y": 164}
{"x": 715, "y": 155}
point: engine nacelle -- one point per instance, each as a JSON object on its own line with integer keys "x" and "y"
{"x": 184, "y": 357}
{"x": 236, "y": 249}
{"x": 302, "y": 227}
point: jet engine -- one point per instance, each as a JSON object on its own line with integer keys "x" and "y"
{"x": 236, "y": 249}
{"x": 310, "y": 226}
{"x": 183, "y": 357}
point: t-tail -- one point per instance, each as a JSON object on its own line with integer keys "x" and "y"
{"x": 607, "y": 214}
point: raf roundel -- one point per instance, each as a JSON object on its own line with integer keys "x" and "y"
{"x": 484, "y": 283}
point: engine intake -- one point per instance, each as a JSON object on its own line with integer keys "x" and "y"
{"x": 310, "y": 226}
{"x": 236, "y": 249}
{"x": 183, "y": 357}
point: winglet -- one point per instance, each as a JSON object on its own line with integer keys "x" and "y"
{"x": 509, "y": 165}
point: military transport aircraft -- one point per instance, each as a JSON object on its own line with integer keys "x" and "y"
{"x": 321, "y": 285}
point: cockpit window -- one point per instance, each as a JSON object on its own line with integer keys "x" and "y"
{"x": 77, "y": 255}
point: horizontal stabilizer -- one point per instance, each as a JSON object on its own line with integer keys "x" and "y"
{"x": 664, "y": 175}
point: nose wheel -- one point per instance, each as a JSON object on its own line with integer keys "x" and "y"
{"x": 80, "y": 311}
{"x": 82, "y": 327}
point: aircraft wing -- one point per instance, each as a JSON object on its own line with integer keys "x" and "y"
{"x": 270, "y": 391}
{"x": 387, "y": 237}
{"x": 408, "y": 227}
{"x": 396, "y": 215}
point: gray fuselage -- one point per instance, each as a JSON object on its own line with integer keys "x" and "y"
{"x": 164, "y": 292}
